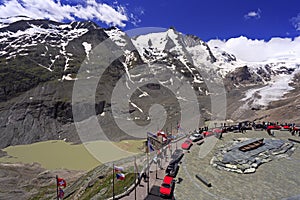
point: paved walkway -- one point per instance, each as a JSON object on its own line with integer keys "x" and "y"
{"x": 277, "y": 179}
{"x": 156, "y": 178}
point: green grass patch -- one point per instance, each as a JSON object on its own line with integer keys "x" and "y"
{"x": 106, "y": 186}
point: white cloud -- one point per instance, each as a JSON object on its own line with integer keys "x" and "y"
{"x": 260, "y": 50}
{"x": 253, "y": 14}
{"x": 296, "y": 22}
{"x": 115, "y": 16}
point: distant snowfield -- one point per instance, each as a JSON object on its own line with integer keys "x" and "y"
{"x": 157, "y": 40}
{"x": 273, "y": 91}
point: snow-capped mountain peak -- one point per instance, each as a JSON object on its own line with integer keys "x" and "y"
{"x": 21, "y": 37}
{"x": 161, "y": 46}
{"x": 61, "y": 47}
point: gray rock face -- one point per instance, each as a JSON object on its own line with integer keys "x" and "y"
{"x": 37, "y": 115}
{"x": 2, "y": 153}
{"x": 242, "y": 75}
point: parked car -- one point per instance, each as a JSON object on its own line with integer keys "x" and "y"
{"x": 172, "y": 169}
{"x": 207, "y": 133}
{"x": 273, "y": 127}
{"x": 296, "y": 128}
{"x": 286, "y": 127}
{"x": 232, "y": 128}
{"x": 245, "y": 125}
{"x": 217, "y": 130}
{"x": 259, "y": 127}
{"x": 168, "y": 179}
{"x": 177, "y": 155}
{"x": 196, "y": 137}
{"x": 166, "y": 190}
{"x": 187, "y": 144}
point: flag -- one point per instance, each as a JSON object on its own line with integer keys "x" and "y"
{"x": 161, "y": 133}
{"x": 178, "y": 125}
{"x": 120, "y": 176}
{"x": 151, "y": 135}
{"x": 61, "y": 182}
{"x": 150, "y": 146}
{"x": 119, "y": 169}
{"x": 61, "y": 193}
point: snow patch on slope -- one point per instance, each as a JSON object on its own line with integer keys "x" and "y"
{"x": 3, "y": 25}
{"x": 155, "y": 42}
{"x": 135, "y": 106}
{"x": 87, "y": 48}
{"x": 68, "y": 78}
{"x": 117, "y": 36}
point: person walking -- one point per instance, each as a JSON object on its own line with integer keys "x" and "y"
{"x": 269, "y": 131}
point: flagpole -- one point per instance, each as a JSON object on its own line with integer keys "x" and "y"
{"x": 156, "y": 165}
{"x": 177, "y": 128}
{"x": 148, "y": 166}
{"x": 56, "y": 187}
{"x": 135, "y": 177}
{"x": 113, "y": 180}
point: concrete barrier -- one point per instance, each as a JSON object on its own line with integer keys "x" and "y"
{"x": 203, "y": 180}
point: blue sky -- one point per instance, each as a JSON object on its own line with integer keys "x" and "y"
{"x": 223, "y": 19}
{"x": 211, "y": 19}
